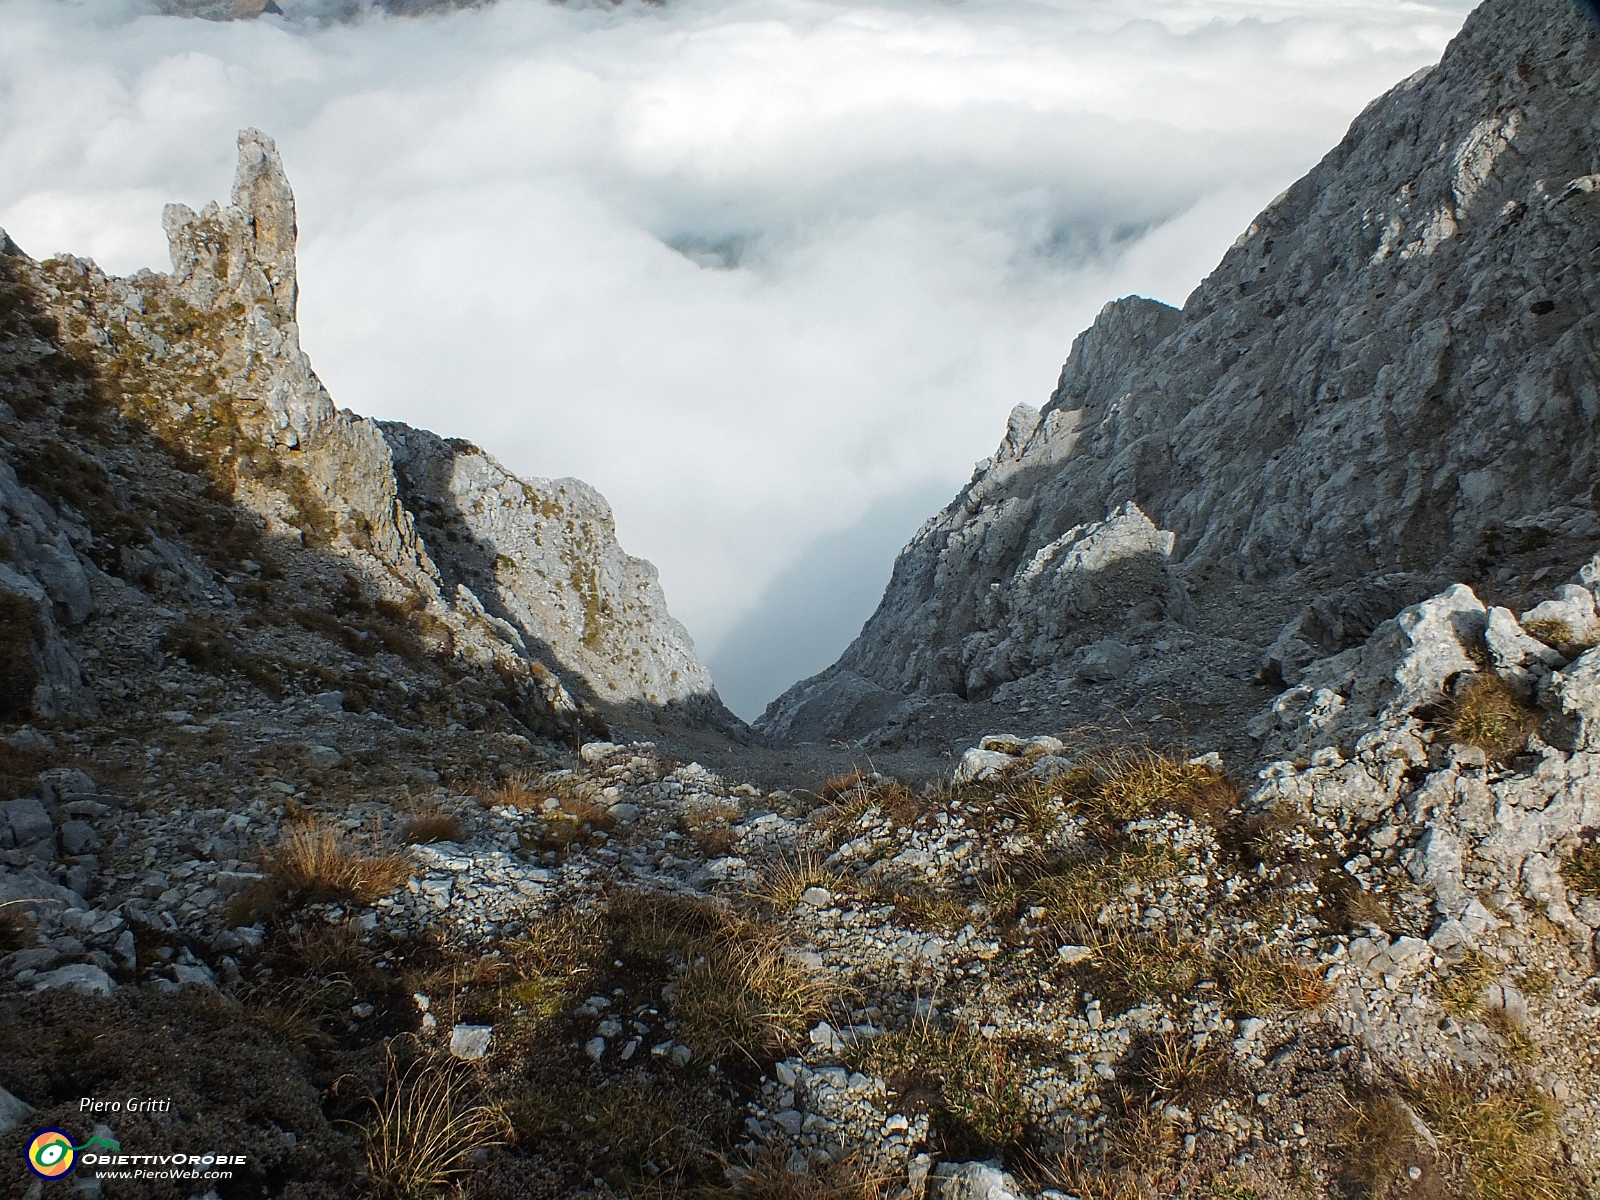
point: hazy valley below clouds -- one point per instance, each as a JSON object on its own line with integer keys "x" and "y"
{"x": 768, "y": 273}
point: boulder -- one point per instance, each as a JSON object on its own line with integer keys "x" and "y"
{"x": 78, "y": 837}
{"x": 972, "y": 1181}
{"x": 1569, "y": 619}
{"x": 13, "y": 1112}
{"x": 1105, "y": 661}
{"x": 1438, "y": 633}
{"x": 1510, "y": 647}
{"x": 598, "y": 752}
{"x": 66, "y": 783}
{"x": 322, "y": 757}
{"x": 976, "y": 765}
{"x": 28, "y": 820}
{"x": 80, "y": 977}
{"x": 1577, "y": 688}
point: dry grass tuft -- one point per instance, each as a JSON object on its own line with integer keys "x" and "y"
{"x": 527, "y": 980}
{"x": 1358, "y": 908}
{"x": 427, "y": 828}
{"x": 1133, "y": 968}
{"x": 710, "y": 827}
{"x": 513, "y": 793}
{"x": 769, "y": 1178}
{"x": 1171, "y": 1067}
{"x": 1132, "y": 783}
{"x": 1518, "y": 1044}
{"x": 1503, "y": 1142}
{"x": 930, "y": 908}
{"x": 1581, "y": 869}
{"x": 977, "y": 1083}
{"x": 315, "y": 863}
{"x": 846, "y": 802}
{"x": 1035, "y": 805}
{"x": 571, "y": 814}
{"x": 1489, "y": 715}
{"x": 426, "y": 1127}
{"x": 839, "y": 786}
{"x": 739, "y": 995}
{"x": 318, "y": 972}
{"x": 746, "y": 997}
{"x": 1556, "y": 633}
{"x": 1461, "y": 993}
{"x": 1078, "y": 1176}
{"x": 784, "y": 882}
{"x": 532, "y": 791}
{"x": 550, "y": 967}
{"x": 1491, "y": 1144}
{"x": 1264, "y": 981}
{"x": 1140, "y": 1140}
{"x": 1136, "y": 1162}
{"x": 1377, "y": 1142}
{"x": 1079, "y": 889}
{"x": 1536, "y": 983}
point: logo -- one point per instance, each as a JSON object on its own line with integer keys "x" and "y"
{"x": 51, "y": 1154}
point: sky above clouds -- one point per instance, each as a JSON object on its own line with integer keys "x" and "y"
{"x": 768, "y": 273}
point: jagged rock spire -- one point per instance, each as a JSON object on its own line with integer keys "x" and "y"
{"x": 261, "y": 192}
{"x": 244, "y": 253}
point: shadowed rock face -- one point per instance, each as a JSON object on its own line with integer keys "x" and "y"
{"x": 518, "y": 577}
{"x": 1389, "y": 380}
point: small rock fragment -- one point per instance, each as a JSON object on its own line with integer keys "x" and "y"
{"x": 470, "y": 1042}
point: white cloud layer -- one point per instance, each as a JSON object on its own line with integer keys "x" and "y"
{"x": 751, "y": 267}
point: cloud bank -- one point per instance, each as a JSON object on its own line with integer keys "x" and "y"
{"x": 753, "y": 268}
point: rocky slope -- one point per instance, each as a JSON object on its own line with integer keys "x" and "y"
{"x": 165, "y": 434}
{"x": 1366, "y": 970}
{"x": 1388, "y": 383}
{"x": 300, "y": 864}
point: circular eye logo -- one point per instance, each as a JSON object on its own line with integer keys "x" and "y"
{"x": 50, "y": 1153}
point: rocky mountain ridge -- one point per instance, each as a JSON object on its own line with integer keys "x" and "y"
{"x": 1388, "y": 384}
{"x": 523, "y": 578}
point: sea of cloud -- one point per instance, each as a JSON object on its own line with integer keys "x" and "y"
{"x": 757, "y": 269}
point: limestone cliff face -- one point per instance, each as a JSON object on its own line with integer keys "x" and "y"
{"x": 543, "y": 553}
{"x": 1389, "y": 381}
{"x": 493, "y": 570}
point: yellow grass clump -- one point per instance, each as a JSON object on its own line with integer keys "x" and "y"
{"x": 426, "y": 1127}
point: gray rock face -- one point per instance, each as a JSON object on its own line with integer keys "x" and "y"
{"x": 28, "y": 820}
{"x": 543, "y": 554}
{"x": 43, "y": 590}
{"x": 1389, "y": 381}
{"x": 1365, "y": 722}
